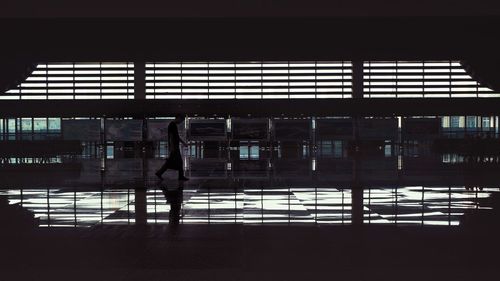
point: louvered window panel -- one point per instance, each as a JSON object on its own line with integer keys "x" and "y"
{"x": 423, "y": 79}
{"x": 248, "y": 80}
{"x": 77, "y": 81}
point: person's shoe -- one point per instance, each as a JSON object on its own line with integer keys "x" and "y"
{"x": 183, "y": 179}
{"x": 159, "y": 175}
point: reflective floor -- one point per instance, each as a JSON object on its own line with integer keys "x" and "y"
{"x": 194, "y": 203}
{"x": 388, "y": 216}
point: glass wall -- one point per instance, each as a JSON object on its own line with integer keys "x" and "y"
{"x": 249, "y": 80}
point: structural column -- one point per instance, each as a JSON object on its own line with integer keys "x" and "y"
{"x": 139, "y": 80}
{"x": 140, "y": 94}
{"x": 356, "y": 187}
{"x": 141, "y": 212}
{"x": 357, "y": 79}
{"x": 357, "y": 93}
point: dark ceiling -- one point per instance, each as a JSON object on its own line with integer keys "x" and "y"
{"x": 218, "y": 30}
{"x": 246, "y": 8}
{"x": 157, "y": 39}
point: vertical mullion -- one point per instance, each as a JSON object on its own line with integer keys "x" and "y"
{"x": 32, "y": 128}
{"x": 343, "y": 207}
{"x": 423, "y": 207}
{"x": 156, "y": 214}
{"x": 128, "y": 206}
{"x": 262, "y": 79}
{"x": 369, "y": 78}
{"x": 102, "y": 207}
{"x": 288, "y": 71}
{"x": 209, "y": 206}
{"x": 235, "y": 205}
{"x": 48, "y": 207}
{"x": 208, "y": 79}
{"x": 450, "y": 77}
{"x": 74, "y": 84}
{"x": 234, "y": 79}
{"x": 396, "y": 205}
{"x": 289, "y": 207}
{"x": 46, "y": 81}
{"x": 316, "y": 204}
{"x": 369, "y": 207}
{"x": 397, "y": 79}
{"x": 449, "y": 205}
{"x": 74, "y": 207}
{"x": 154, "y": 80}
{"x": 316, "y": 81}
{"x": 182, "y": 79}
{"x": 100, "y": 79}
{"x": 262, "y": 203}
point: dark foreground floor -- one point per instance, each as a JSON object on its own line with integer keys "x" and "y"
{"x": 241, "y": 252}
{"x": 124, "y": 224}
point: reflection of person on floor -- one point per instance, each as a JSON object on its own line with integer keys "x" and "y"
{"x": 174, "y": 198}
{"x": 174, "y": 160}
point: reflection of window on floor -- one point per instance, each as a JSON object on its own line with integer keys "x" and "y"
{"x": 161, "y": 149}
{"x": 196, "y": 150}
{"x": 486, "y": 122}
{"x": 452, "y": 158}
{"x": 460, "y": 126}
{"x": 254, "y": 151}
{"x": 471, "y": 122}
{"x": 90, "y": 149}
{"x": 456, "y": 122}
{"x": 305, "y": 150}
{"x": 326, "y": 148}
{"x": 421, "y": 205}
{"x": 192, "y": 150}
{"x": 411, "y": 148}
{"x": 249, "y": 151}
{"x": 331, "y": 148}
{"x": 110, "y": 150}
{"x": 26, "y": 128}
{"x": 12, "y": 129}
{"x": 417, "y": 205}
{"x": 31, "y": 160}
{"x": 387, "y": 149}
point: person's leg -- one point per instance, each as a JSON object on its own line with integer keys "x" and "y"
{"x": 162, "y": 170}
{"x": 181, "y": 173}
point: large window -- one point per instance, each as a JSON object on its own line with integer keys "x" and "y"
{"x": 422, "y": 79}
{"x": 77, "y": 81}
{"x": 249, "y": 80}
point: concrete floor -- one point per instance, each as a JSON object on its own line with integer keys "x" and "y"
{"x": 85, "y": 224}
{"x": 236, "y": 252}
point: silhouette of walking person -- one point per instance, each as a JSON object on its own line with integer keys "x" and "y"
{"x": 174, "y": 160}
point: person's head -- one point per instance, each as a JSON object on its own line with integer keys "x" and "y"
{"x": 179, "y": 118}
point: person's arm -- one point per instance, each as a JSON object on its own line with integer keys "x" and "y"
{"x": 182, "y": 141}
